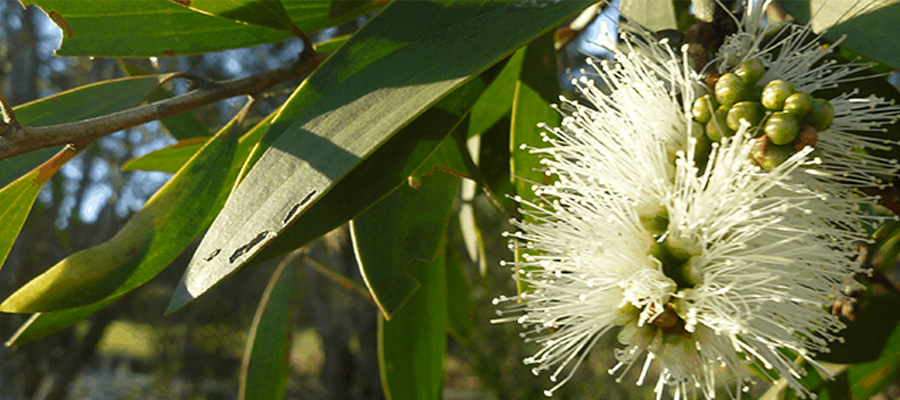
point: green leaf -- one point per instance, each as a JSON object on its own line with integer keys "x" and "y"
{"x": 536, "y": 89}
{"x": 167, "y": 159}
{"x": 41, "y": 325}
{"x": 181, "y": 126}
{"x": 265, "y": 13}
{"x": 264, "y": 370}
{"x": 403, "y": 231}
{"x": 17, "y": 198}
{"x": 397, "y": 66}
{"x": 380, "y": 174}
{"x": 412, "y": 344}
{"x": 870, "y": 378}
{"x": 74, "y": 105}
{"x": 151, "y": 239}
{"x": 460, "y": 314}
{"x": 654, "y": 15}
{"x": 870, "y": 26}
{"x": 496, "y": 102}
{"x": 867, "y": 334}
{"x": 147, "y": 28}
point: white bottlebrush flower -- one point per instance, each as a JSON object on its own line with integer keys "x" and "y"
{"x": 703, "y": 268}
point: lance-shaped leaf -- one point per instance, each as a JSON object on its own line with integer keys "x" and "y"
{"x": 460, "y": 315}
{"x": 181, "y": 126}
{"x": 148, "y": 242}
{"x": 870, "y": 26}
{"x": 167, "y": 159}
{"x": 536, "y": 88}
{"x": 266, "y": 13}
{"x": 403, "y": 231}
{"x": 412, "y": 344}
{"x": 17, "y": 198}
{"x": 146, "y": 28}
{"x": 73, "y": 105}
{"x": 398, "y": 65}
{"x": 264, "y": 369}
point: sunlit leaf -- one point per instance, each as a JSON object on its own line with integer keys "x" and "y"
{"x": 398, "y": 65}
{"x": 148, "y": 242}
{"x": 167, "y": 159}
{"x": 265, "y": 13}
{"x": 654, "y": 15}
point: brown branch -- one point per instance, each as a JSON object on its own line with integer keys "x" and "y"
{"x": 18, "y": 140}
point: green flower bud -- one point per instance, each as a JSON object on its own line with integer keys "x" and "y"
{"x": 774, "y": 156}
{"x": 821, "y": 115}
{"x": 750, "y": 71}
{"x": 750, "y": 111}
{"x": 704, "y": 108}
{"x": 729, "y": 88}
{"x": 703, "y": 146}
{"x": 775, "y": 93}
{"x": 717, "y": 127}
{"x": 782, "y": 128}
{"x": 798, "y": 104}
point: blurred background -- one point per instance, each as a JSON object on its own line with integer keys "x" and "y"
{"x": 130, "y": 351}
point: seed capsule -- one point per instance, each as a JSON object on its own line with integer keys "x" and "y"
{"x": 775, "y": 93}
{"x": 750, "y": 111}
{"x": 782, "y": 128}
{"x": 750, "y": 71}
{"x": 729, "y": 89}
{"x": 798, "y": 104}
{"x": 717, "y": 127}
{"x": 821, "y": 115}
{"x": 704, "y": 108}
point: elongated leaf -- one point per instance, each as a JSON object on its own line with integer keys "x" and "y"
{"x": 265, "y": 13}
{"x": 411, "y": 345}
{"x": 536, "y": 88}
{"x": 870, "y": 26}
{"x": 379, "y": 175}
{"x": 264, "y": 370}
{"x": 80, "y": 103}
{"x": 460, "y": 314}
{"x": 866, "y": 336}
{"x": 868, "y": 379}
{"x": 151, "y": 239}
{"x": 17, "y": 198}
{"x": 402, "y": 232}
{"x": 145, "y": 28}
{"x": 654, "y": 15}
{"x": 41, "y": 325}
{"x": 181, "y": 126}
{"x": 397, "y": 66}
{"x": 167, "y": 159}
{"x": 496, "y": 102}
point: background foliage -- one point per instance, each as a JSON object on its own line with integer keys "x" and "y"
{"x": 361, "y": 204}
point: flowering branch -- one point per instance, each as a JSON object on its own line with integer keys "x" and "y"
{"x": 16, "y": 139}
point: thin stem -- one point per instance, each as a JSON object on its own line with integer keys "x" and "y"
{"x": 20, "y": 140}
{"x": 339, "y": 278}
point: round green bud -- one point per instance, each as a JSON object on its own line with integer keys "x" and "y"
{"x": 750, "y": 111}
{"x": 821, "y": 114}
{"x": 774, "y": 156}
{"x": 798, "y": 104}
{"x": 704, "y": 108}
{"x": 702, "y": 147}
{"x": 717, "y": 127}
{"x": 782, "y": 128}
{"x": 775, "y": 93}
{"x": 750, "y": 71}
{"x": 729, "y": 88}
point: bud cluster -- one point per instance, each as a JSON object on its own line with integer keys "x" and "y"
{"x": 783, "y": 120}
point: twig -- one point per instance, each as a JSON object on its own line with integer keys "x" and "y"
{"x": 7, "y": 117}
{"x": 340, "y": 279}
{"x": 20, "y": 140}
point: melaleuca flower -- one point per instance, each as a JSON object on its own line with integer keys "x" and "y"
{"x": 706, "y": 259}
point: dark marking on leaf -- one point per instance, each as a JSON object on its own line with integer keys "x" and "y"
{"x": 186, "y": 3}
{"x": 245, "y": 248}
{"x": 168, "y": 53}
{"x": 297, "y": 207}
{"x": 213, "y": 254}
{"x": 58, "y": 19}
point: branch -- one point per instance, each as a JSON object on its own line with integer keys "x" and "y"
{"x": 16, "y": 139}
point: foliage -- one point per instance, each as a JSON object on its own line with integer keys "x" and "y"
{"x": 377, "y": 137}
